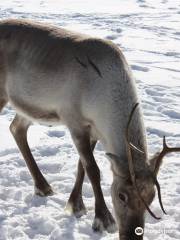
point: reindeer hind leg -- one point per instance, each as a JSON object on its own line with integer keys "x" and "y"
{"x": 19, "y": 128}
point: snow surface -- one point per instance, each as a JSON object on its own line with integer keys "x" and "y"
{"x": 148, "y": 32}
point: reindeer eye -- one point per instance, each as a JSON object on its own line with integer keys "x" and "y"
{"x": 123, "y": 197}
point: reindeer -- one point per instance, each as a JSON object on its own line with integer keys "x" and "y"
{"x": 53, "y": 76}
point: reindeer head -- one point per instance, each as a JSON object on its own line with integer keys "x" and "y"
{"x": 133, "y": 191}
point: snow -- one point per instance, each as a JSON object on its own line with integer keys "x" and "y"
{"x": 148, "y": 33}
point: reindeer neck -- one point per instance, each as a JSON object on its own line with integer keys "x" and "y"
{"x": 116, "y": 142}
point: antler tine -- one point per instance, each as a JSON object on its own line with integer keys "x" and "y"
{"x": 164, "y": 143}
{"x": 166, "y": 149}
{"x": 159, "y": 195}
{"x": 130, "y": 162}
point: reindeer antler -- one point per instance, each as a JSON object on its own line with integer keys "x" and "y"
{"x": 164, "y": 151}
{"x": 129, "y": 145}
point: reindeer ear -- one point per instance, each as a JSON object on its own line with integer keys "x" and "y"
{"x": 118, "y": 165}
{"x": 153, "y": 164}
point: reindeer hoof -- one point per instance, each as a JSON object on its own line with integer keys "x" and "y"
{"x": 105, "y": 222}
{"x": 43, "y": 193}
{"x": 98, "y": 225}
{"x": 76, "y": 208}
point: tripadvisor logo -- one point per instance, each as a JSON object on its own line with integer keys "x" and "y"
{"x": 139, "y": 231}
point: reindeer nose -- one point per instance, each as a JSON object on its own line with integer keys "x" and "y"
{"x": 130, "y": 236}
{"x": 134, "y": 228}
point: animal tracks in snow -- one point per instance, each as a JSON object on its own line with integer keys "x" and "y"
{"x": 148, "y": 34}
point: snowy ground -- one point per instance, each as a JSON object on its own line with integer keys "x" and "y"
{"x": 148, "y": 32}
